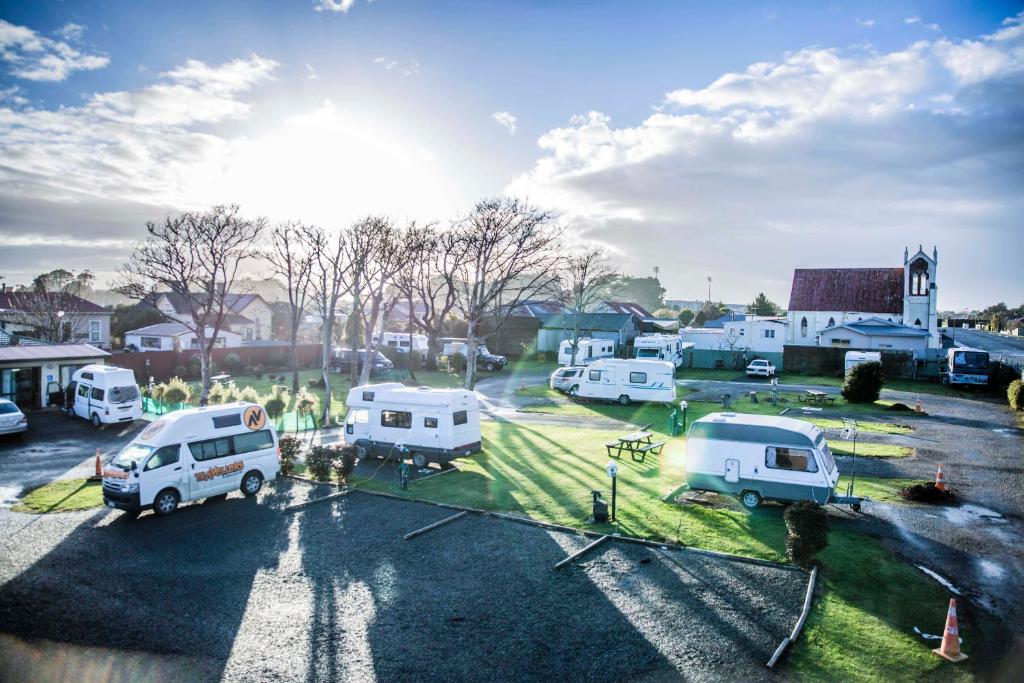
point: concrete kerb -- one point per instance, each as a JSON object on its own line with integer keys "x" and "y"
{"x": 414, "y": 534}
{"x": 808, "y": 599}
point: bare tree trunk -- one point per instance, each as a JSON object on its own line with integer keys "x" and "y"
{"x": 471, "y": 345}
{"x": 295, "y": 359}
{"x": 325, "y": 367}
{"x": 412, "y": 350}
{"x": 354, "y": 335}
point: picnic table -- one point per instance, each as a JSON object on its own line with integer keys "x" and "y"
{"x": 638, "y": 444}
{"x": 815, "y": 396}
{"x": 220, "y": 378}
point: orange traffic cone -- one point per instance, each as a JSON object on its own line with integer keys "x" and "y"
{"x": 950, "y": 649}
{"x": 940, "y": 479}
{"x": 99, "y": 465}
{"x": 917, "y": 406}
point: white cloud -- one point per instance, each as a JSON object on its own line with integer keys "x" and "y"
{"x": 38, "y": 58}
{"x": 998, "y": 54}
{"x": 409, "y": 67}
{"x": 912, "y": 20}
{"x": 505, "y": 119}
{"x": 342, "y": 6}
{"x": 917, "y": 20}
{"x": 866, "y": 23}
{"x": 71, "y": 31}
{"x": 311, "y": 73}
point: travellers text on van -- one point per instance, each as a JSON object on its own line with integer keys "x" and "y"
{"x": 115, "y": 474}
{"x": 219, "y": 471}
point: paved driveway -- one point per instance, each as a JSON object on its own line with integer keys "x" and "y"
{"x": 998, "y": 345}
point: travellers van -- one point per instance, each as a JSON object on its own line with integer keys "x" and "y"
{"x": 760, "y": 457}
{"x": 587, "y": 351}
{"x": 399, "y": 341}
{"x": 192, "y": 454}
{"x": 103, "y": 394}
{"x": 626, "y": 380}
{"x": 433, "y": 425}
{"x": 659, "y": 347}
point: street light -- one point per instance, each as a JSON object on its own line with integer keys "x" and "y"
{"x": 612, "y": 468}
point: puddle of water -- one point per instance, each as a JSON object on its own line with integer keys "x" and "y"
{"x": 940, "y": 578}
{"x": 991, "y": 570}
{"x": 9, "y": 495}
{"x": 966, "y": 514}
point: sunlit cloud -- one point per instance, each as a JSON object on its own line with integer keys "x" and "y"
{"x": 505, "y": 119}
{"x": 34, "y": 57}
{"x": 409, "y": 67}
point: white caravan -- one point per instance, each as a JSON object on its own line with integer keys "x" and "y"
{"x": 761, "y": 457}
{"x": 432, "y": 425}
{"x": 855, "y": 358}
{"x": 659, "y": 347}
{"x": 626, "y": 380}
{"x": 399, "y": 341}
{"x": 191, "y": 454}
{"x": 587, "y": 351}
{"x": 103, "y": 394}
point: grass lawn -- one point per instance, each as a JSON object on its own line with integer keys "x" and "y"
{"x": 864, "y": 426}
{"x": 877, "y": 488}
{"x": 62, "y": 495}
{"x": 870, "y": 449}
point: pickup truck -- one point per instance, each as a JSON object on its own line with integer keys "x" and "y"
{"x": 760, "y": 368}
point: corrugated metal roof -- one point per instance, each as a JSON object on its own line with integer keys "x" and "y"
{"x": 878, "y": 327}
{"x": 161, "y": 330}
{"x": 872, "y": 290}
{"x": 610, "y": 322}
{"x": 627, "y": 307}
{"x": 13, "y": 354}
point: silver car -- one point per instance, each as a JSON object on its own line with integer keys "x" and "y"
{"x": 12, "y": 420}
{"x": 564, "y": 379}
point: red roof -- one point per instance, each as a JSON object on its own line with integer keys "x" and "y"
{"x": 870, "y": 290}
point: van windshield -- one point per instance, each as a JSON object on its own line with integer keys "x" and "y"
{"x": 647, "y": 353}
{"x": 123, "y": 394}
{"x": 133, "y": 452}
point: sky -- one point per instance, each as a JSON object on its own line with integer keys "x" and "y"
{"x": 736, "y": 141}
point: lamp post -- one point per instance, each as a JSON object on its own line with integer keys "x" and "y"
{"x": 683, "y": 405}
{"x": 612, "y": 468}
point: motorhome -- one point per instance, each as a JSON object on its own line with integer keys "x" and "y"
{"x": 103, "y": 394}
{"x": 421, "y": 423}
{"x": 485, "y": 360}
{"x": 855, "y": 358}
{"x": 399, "y": 341}
{"x": 587, "y": 351}
{"x": 627, "y": 380}
{"x": 966, "y": 367}
{"x": 761, "y": 457}
{"x": 659, "y": 347}
{"x": 191, "y": 454}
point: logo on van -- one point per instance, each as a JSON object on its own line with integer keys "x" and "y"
{"x": 219, "y": 471}
{"x": 254, "y": 417}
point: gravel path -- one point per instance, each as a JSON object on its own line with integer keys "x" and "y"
{"x": 239, "y": 590}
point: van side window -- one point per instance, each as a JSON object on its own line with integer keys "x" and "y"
{"x": 253, "y": 441}
{"x": 399, "y": 419}
{"x": 595, "y": 375}
{"x": 460, "y": 417}
{"x": 212, "y": 448}
{"x": 638, "y": 377}
{"x": 222, "y": 421}
{"x": 793, "y": 459}
{"x": 368, "y": 395}
{"x": 83, "y": 390}
{"x": 357, "y": 415}
{"x": 97, "y": 394}
{"x": 430, "y": 422}
{"x": 168, "y": 455}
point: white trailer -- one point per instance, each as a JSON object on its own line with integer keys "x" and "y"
{"x": 430, "y": 425}
{"x": 103, "y": 394}
{"x": 587, "y": 351}
{"x": 855, "y": 358}
{"x": 761, "y": 457}
{"x": 399, "y": 341}
{"x": 626, "y": 380}
{"x": 668, "y": 347}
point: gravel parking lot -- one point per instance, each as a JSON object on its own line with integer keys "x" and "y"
{"x": 241, "y": 590}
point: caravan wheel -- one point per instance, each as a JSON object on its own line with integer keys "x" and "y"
{"x": 624, "y": 400}
{"x": 419, "y": 459}
{"x": 750, "y": 499}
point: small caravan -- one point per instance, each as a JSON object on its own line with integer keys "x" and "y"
{"x": 659, "y": 347}
{"x": 191, "y": 454}
{"x": 432, "y": 425}
{"x": 399, "y": 341}
{"x": 103, "y": 394}
{"x": 855, "y": 358}
{"x": 627, "y": 380}
{"x": 759, "y": 457}
{"x": 587, "y": 351}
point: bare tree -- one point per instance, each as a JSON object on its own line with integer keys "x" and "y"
{"x": 52, "y": 306}
{"x": 434, "y": 287}
{"x": 586, "y": 279}
{"x": 327, "y": 284}
{"x": 291, "y": 258}
{"x": 196, "y": 256}
{"x": 420, "y": 244}
{"x": 509, "y": 254}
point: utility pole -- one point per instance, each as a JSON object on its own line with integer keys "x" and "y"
{"x": 709, "y": 289}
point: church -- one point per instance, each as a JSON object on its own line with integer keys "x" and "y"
{"x": 867, "y": 308}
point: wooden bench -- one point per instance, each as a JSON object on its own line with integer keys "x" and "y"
{"x": 829, "y": 400}
{"x": 654, "y": 448}
{"x": 617, "y": 446}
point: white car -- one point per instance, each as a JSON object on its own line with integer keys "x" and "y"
{"x": 760, "y": 368}
{"x": 12, "y": 420}
{"x": 564, "y": 379}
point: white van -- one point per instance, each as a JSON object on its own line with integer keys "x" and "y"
{"x": 628, "y": 380}
{"x": 433, "y": 425}
{"x": 399, "y": 341}
{"x": 587, "y": 351}
{"x": 761, "y": 457}
{"x": 103, "y": 394}
{"x": 855, "y": 358}
{"x": 659, "y": 347}
{"x": 191, "y": 454}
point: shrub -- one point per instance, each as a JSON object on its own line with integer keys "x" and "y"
{"x": 1000, "y": 376}
{"x": 806, "y": 532}
{"x": 345, "y": 462}
{"x": 233, "y": 363}
{"x": 316, "y": 383}
{"x": 177, "y": 391}
{"x": 458, "y": 362}
{"x": 290, "y": 449}
{"x": 231, "y": 393}
{"x": 157, "y": 392}
{"x": 249, "y": 395}
{"x": 1015, "y": 394}
{"x": 864, "y": 383}
{"x": 306, "y": 403}
{"x": 320, "y": 462}
{"x": 258, "y": 371}
{"x": 275, "y": 407}
{"x": 216, "y": 394}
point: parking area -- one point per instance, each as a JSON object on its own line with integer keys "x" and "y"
{"x": 241, "y": 590}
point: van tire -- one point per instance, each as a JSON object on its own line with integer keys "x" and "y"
{"x": 420, "y": 459}
{"x": 489, "y": 367}
{"x": 252, "y": 482}
{"x": 624, "y": 400}
{"x": 96, "y": 420}
{"x": 750, "y": 499}
{"x": 166, "y": 502}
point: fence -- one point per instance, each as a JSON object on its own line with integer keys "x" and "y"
{"x": 829, "y": 360}
{"x": 163, "y": 365}
{"x": 728, "y": 360}
{"x": 291, "y": 421}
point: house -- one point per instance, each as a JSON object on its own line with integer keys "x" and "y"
{"x": 248, "y": 315}
{"x": 45, "y": 314}
{"x": 176, "y": 337}
{"x": 759, "y": 334}
{"x": 703, "y": 338}
{"x": 30, "y": 373}
{"x": 620, "y": 327}
{"x": 827, "y": 298}
{"x": 876, "y": 333}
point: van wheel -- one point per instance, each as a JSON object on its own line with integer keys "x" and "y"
{"x": 489, "y": 367}
{"x": 750, "y": 499}
{"x": 624, "y": 400}
{"x": 419, "y": 459}
{"x": 252, "y": 482}
{"x": 96, "y": 420}
{"x": 165, "y": 502}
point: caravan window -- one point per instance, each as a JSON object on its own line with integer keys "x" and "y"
{"x": 83, "y": 390}
{"x": 367, "y": 395}
{"x": 358, "y": 415}
{"x": 638, "y": 377}
{"x": 793, "y": 459}
{"x": 460, "y": 417}
{"x": 430, "y": 422}
{"x": 399, "y": 419}
{"x": 595, "y": 375}
{"x": 168, "y": 455}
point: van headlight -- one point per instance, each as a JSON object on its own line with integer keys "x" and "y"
{"x": 130, "y": 488}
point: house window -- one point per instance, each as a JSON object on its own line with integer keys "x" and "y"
{"x": 398, "y": 419}
{"x": 149, "y": 342}
{"x": 769, "y": 334}
{"x": 803, "y": 327}
{"x": 94, "y": 331}
{"x": 919, "y": 278}
{"x": 836, "y": 341}
{"x": 742, "y": 332}
{"x": 792, "y": 459}
{"x": 638, "y": 377}
{"x": 918, "y": 322}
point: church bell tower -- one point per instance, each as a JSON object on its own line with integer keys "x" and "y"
{"x": 920, "y": 293}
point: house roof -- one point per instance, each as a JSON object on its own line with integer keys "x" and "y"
{"x": 234, "y": 302}
{"x": 721, "y": 320}
{"x": 872, "y": 290}
{"x": 14, "y": 354}
{"x": 607, "y": 322}
{"x": 879, "y": 327}
{"x": 627, "y": 307}
{"x": 161, "y": 330}
{"x": 8, "y": 339}
{"x": 536, "y": 308}
{"x": 27, "y": 301}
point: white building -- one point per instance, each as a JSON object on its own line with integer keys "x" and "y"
{"x": 31, "y": 373}
{"x": 248, "y": 315}
{"x": 176, "y": 337}
{"x": 703, "y": 338}
{"x": 760, "y": 334}
{"x": 898, "y": 302}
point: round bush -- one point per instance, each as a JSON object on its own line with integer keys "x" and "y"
{"x": 320, "y": 462}
{"x": 345, "y": 462}
{"x": 290, "y": 448}
{"x": 1015, "y": 394}
{"x": 177, "y": 391}
{"x": 864, "y": 383}
{"x": 806, "y": 532}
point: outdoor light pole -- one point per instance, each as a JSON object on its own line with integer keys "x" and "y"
{"x": 683, "y": 405}
{"x": 612, "y": 468}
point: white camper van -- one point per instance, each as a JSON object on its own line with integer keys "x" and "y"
{"x": 433, "y": 425}
{"x": 659, "y": 347}
{"x": 587, "y": 351}
{"x": 855, "y": 358}
{"x": 103, "y": 394}
{"x": 191, "y": 454}
{"x": 626, "y": 380}
{"x": 399, "y": 341}
{"x": 760, "y": 457}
